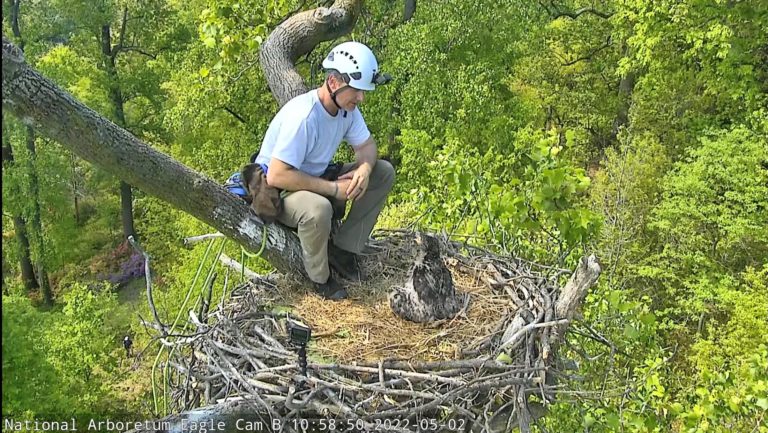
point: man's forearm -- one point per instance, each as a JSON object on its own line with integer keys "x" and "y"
{"x": 295, "y": 180}
{"x": 367, "y": 154}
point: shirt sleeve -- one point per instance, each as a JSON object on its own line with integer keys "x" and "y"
{"x": 358, "y": 132}
{"x": 292, "y": 143}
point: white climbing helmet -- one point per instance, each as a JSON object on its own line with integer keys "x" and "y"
{"x": 356, "y": 63}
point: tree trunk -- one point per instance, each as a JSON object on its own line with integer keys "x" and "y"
{"x": 6, "y": 272}
{"x": 409, "y": 9}
{"x": 626, "y": 86}
{"x": 75, "y": 184}
{"x": 36, "y": 220}
{"x": 27, "y": 270}
{"x": 19, "y": 225}
{"x": 52, "y": 111}
{"x": 297, "y": 36}
{"x": 116, "y": 95}
{"x": 126, "y": 210}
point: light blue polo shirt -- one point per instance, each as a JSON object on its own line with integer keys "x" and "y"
{"x": 304, "y": 135}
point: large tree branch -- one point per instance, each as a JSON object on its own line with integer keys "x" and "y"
{"x": 297, "y": 36}
{"x": 37, "y": 101}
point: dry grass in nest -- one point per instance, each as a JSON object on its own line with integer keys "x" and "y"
{"x": 364, "y": 328}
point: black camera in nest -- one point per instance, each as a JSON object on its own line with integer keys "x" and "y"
{"x": 299, "y": 333}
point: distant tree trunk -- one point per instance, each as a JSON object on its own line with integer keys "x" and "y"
{"x": 116, "y": 96}
{"x": 19, "y": 225}
{"x": 409, "y": 10}
{"x": 6, "y": 271}
{"x": 36, "y": 221}
{"x": 126, "y": 210}
{"x": 27, "y": 270}
{"x": 626, "y": 86}
{"x": 75, "y": 191}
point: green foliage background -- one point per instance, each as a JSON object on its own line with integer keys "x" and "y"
{"x": 640, "y": 135}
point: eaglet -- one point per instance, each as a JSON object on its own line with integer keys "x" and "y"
{"x": 428, "y": 294}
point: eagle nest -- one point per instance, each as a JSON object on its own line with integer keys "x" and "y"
{"x": 490, "y": 366}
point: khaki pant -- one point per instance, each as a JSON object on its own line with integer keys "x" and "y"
{"x": 311, "y": 214}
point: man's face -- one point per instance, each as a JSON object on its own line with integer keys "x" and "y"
{"x": 348, "y": 98}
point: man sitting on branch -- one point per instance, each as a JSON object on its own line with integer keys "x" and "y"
{"x": 296, "y": 154}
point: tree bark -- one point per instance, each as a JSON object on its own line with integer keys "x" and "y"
{"x": 36, "y": 220}
{"x": 36, "y": 101}
{"x": 297, "y": 36}
{"x": 19, "y": 224}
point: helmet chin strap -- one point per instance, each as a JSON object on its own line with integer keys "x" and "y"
{"x": 334, "y": 94}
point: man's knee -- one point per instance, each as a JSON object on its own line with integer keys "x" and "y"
{"x": 384, "y": 172}
{"x": 318, "y": 212}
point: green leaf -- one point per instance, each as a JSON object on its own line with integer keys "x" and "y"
{"x": 648, "y": 319}
{"x": 631, "y": 332}
{"x": 676, "y": 408}
{"x": 762, "y": 403}
{"x": 589, "y": 420}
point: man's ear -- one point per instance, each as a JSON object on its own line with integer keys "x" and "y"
{"x": 336, "y": 83}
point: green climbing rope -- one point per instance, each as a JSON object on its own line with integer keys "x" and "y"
{"x": 244, "y": 253}
{"x": 162, "y": 347}
{"x": 207, "y": 281}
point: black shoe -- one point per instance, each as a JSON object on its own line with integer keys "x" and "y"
{"x": 344, "y": 262}
{"x": 331, "y": 289}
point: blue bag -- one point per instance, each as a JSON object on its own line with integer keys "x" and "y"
{"x": 236, "y": 186}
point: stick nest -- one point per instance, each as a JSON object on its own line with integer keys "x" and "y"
{"x": 367, "y": 365}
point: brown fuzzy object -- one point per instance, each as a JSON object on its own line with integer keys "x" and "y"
{"x": 264, "y": 199}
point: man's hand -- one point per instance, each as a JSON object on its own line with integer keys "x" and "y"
{"x": 359, "y": 179}
{"x": 341, "y": 190}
